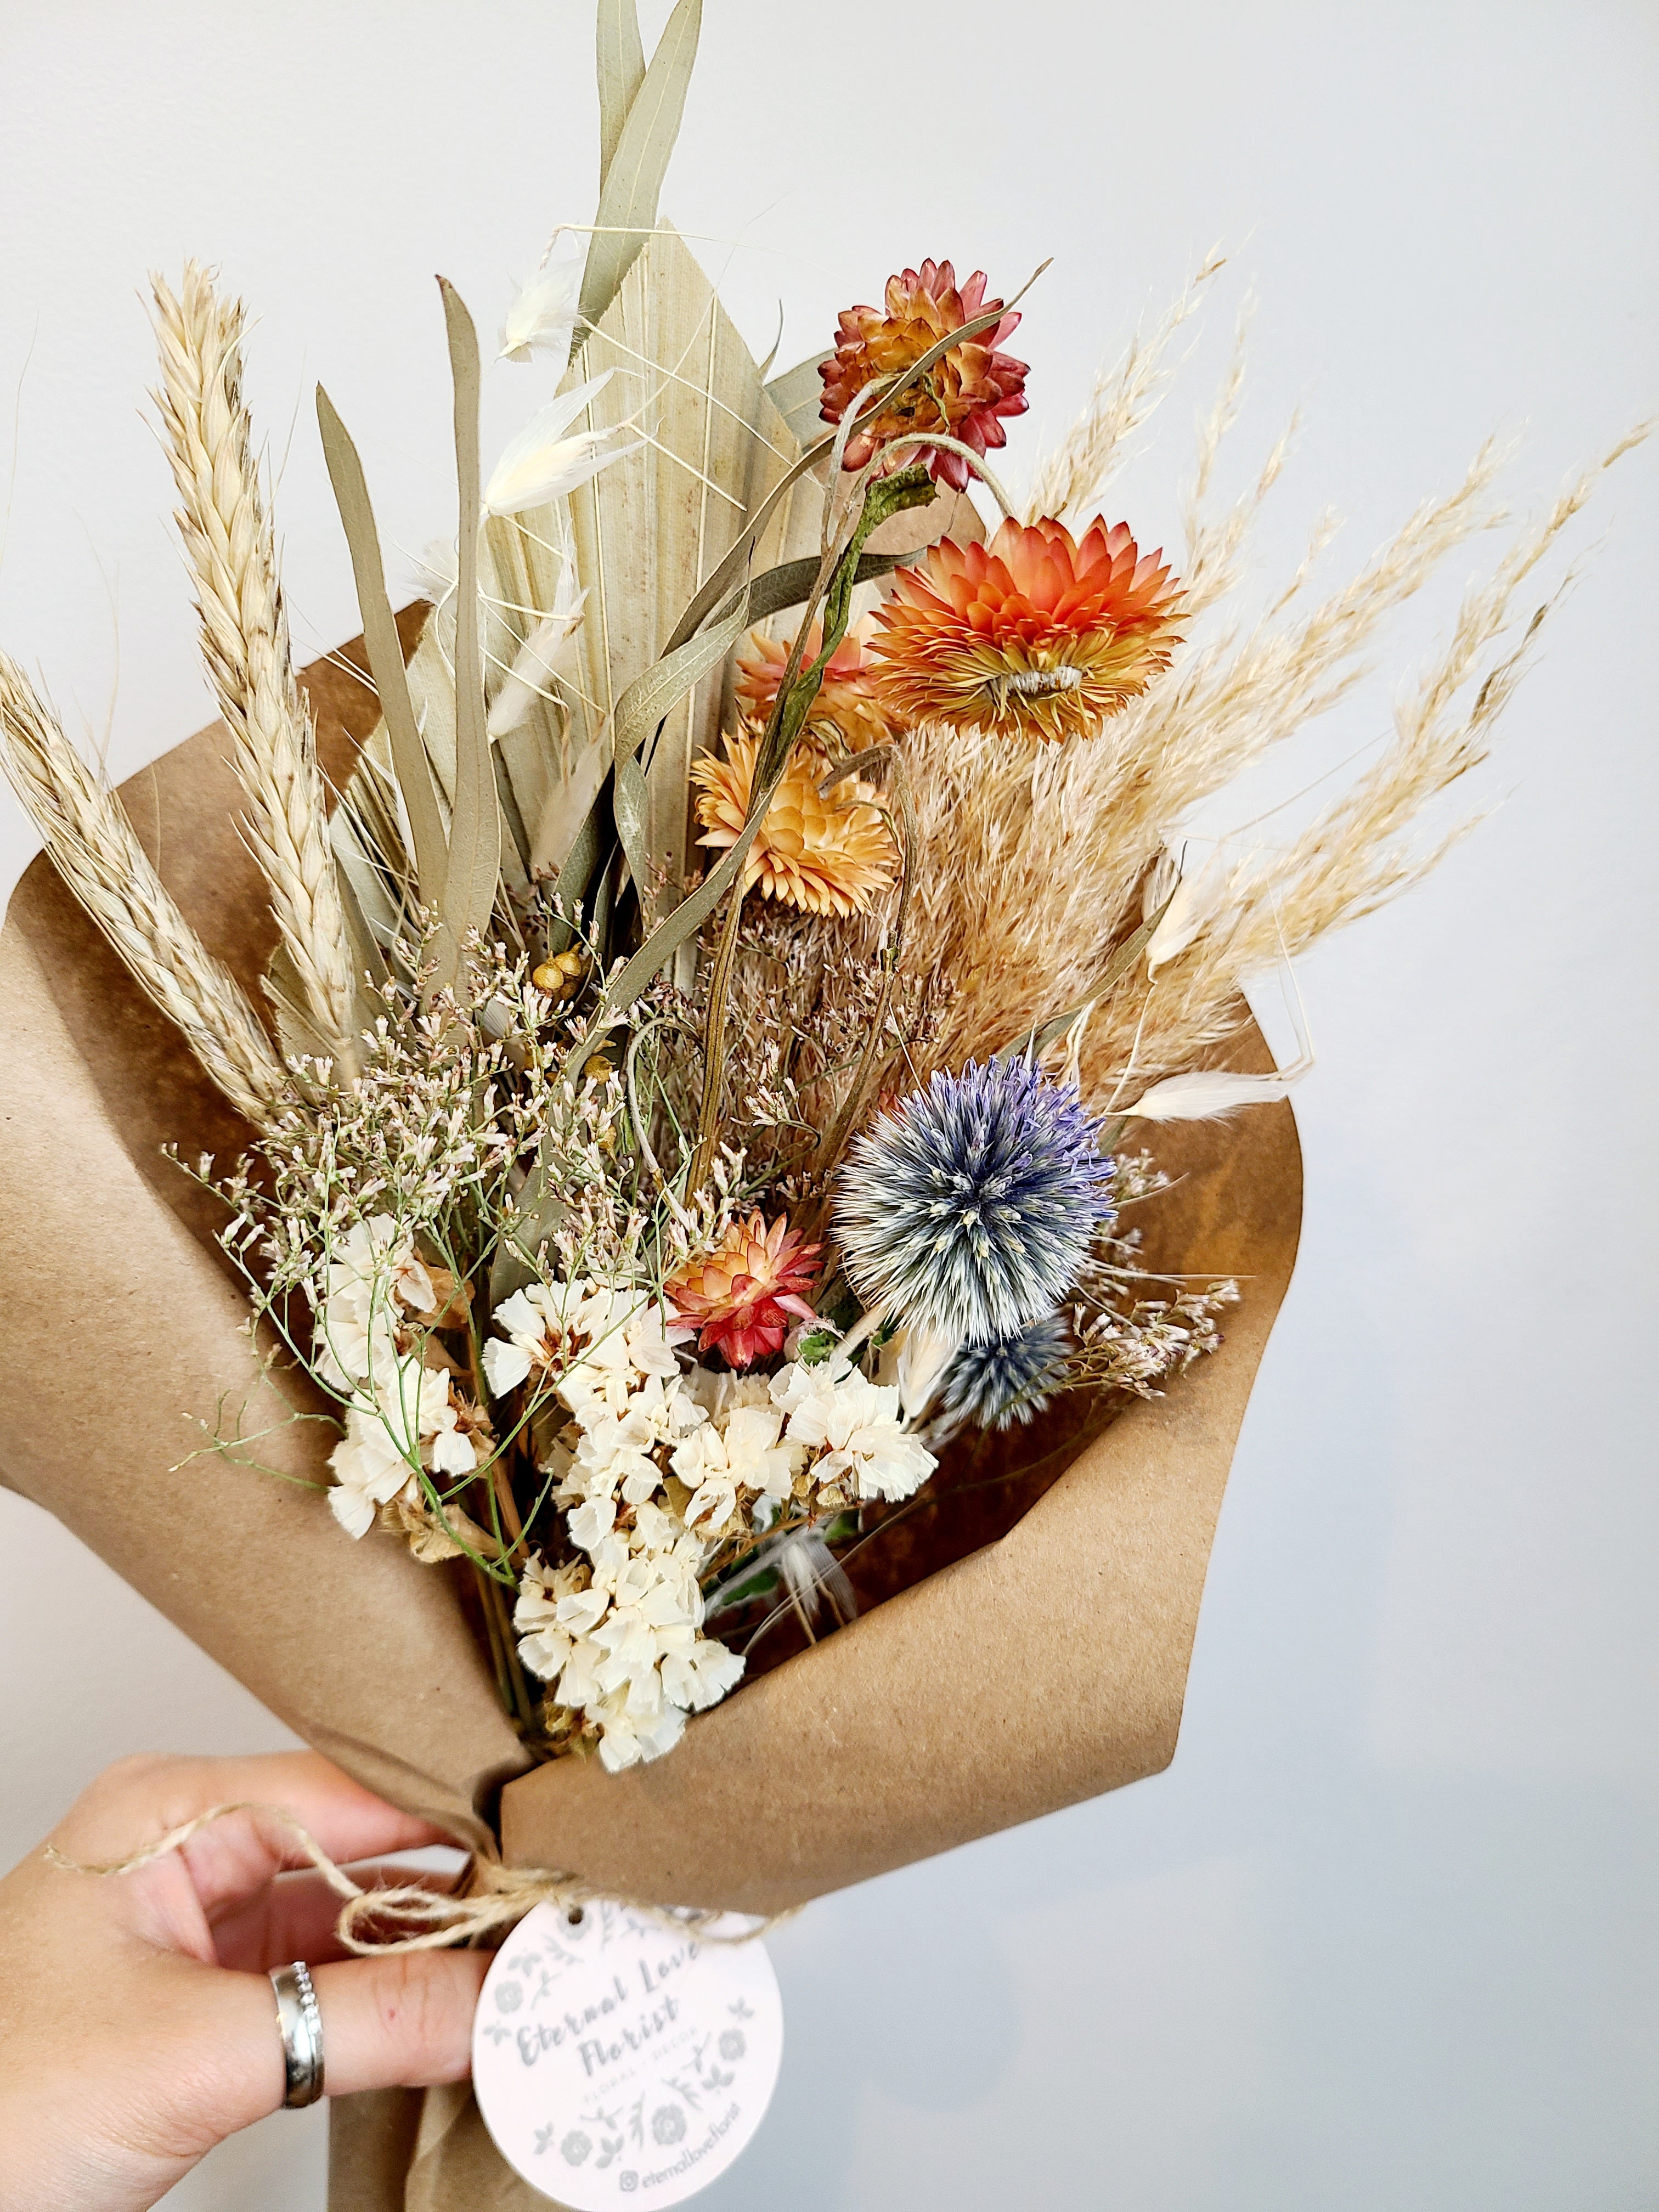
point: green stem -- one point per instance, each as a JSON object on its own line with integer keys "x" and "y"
{"x": 796, "y": 691}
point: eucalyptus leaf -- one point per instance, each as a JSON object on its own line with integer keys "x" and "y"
{"x": 622, "y": 72}
{"x": 788, "y": 584}
{"x": 641, "y": 710}
{"x": 581, "y": 864}
{"x": 631, "y": 810}
{"x": 386, "y": 652}
{"x": 633, "y": 182}
{"x": 649, "y": 698}
{"x": 667, "y": 939}
{"x": 474, "y": 849}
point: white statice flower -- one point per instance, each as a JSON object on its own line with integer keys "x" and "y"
{"x": 718, "y": 1391}
{"x": 372, "y": 1283}
{"x": 537, "y": 1324}
{"x": 702, "y": 1677}
{"x": 378, "y": 1250}
{"x": 392, "y": 1424}
{"x": 370, "y": 1469}
{"x": 555, "y": 1606}
{"x": 592, "y": 1521}
{"x": 622, "y": 1646}
{"x": 627, "y": 1340}
{"x": 445, "y": 1446}
{"x": 855, "y": 1427}
{"x": 617, "y": 1451}
{"x": 628, "y": 1738}
{"x": 720, "y": 1462}
{"x": 596, "y": 1345}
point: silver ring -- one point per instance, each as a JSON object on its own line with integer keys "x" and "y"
{"x": 301, "y": 2024}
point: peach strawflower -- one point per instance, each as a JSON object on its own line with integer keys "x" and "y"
{"x": 1032, "y": 635}
{"x": 965, "y": 394}
{"x": 740, "y": 1301}
{"x": 847, "y": 699}
{"x": 824, "y": 855}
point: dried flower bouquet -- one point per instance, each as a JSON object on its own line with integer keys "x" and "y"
{"x": 712, "y": 1043}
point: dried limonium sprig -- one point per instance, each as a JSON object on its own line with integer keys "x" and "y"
{"x": 1131, "y": 1329}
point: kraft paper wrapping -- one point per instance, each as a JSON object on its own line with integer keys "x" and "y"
{"x": 121, "y": 1327}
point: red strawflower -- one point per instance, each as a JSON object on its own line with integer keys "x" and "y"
{"x": 965, "y": 394}
{"x": 741, "y": 1300}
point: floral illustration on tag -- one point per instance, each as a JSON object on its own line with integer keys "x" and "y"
{"x": 625, "y": 2053}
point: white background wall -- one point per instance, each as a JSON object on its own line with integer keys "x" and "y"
{"x": 1384, "y": 1934}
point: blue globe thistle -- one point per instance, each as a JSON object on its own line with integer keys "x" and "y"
{"x": 994, "y": 1385}
{"x": 972, "y": 1206}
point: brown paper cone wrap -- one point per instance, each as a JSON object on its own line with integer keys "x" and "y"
{"x": 121, "y": 1327}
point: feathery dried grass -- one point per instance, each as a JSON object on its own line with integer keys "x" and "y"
{"x": 1124, "y": 396}
{"x": 1351, "y": 860}
{"x": 228, "y": 545}
{"x": 1034, "y": 862}
{"x": 97, "y": 853}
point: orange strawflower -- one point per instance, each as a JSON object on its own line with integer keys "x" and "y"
{"x": 846, "y": 700}
{"x": 824, "y": 855}
{"x": 965, "y": 394}
{"x": 741, "y": 1300}
{"x": 1032, "y": 635}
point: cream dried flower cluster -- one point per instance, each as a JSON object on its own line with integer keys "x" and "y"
{"x": 379, "y": 1306}
{"x": 659, "y": 1471}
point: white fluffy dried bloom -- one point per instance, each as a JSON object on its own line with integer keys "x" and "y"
{"x": 545, "y": 460}
{"x": 720, "y": 1462}
{"x": 617, "y": 1634}
{"x": 617, "y": 1637}
{"x": 372, "y": 1282}
{"x": 591, "y": 1342}
{"x": 542, "y": 318}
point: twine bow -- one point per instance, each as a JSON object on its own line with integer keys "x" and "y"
{"x": 489, "y": 1896}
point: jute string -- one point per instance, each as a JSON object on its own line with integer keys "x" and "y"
{"x": 490, "y": 1896}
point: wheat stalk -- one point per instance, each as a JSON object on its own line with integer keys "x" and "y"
{"x": 95, "y": 849}
{"x": 228, "y": 543}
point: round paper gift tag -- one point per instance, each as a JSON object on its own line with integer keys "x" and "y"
{"x": 620, "y": 2061}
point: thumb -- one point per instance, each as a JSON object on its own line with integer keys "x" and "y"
{"x": 402, "y": 2021}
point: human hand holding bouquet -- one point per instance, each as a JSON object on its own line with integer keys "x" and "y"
{"x": 135, "y": 2015}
